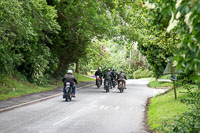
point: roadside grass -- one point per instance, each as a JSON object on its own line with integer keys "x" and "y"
{"x": 164, "y": 107}
{"x": 12, "y": 87}
{"x": 165, "y": 77}
{"x": 156, "y": 84}
{"x": 83, "y": 78}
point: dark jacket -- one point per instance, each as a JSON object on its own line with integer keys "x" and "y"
{"x": 108, "y": 76}
{"x": 98, "y": 73}
{"x": 114, "y": 74}
{"x": 122, "y": 75}
{"x": 69, "y": 78}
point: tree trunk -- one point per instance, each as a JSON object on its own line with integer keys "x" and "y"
{"x": 61, "y": 70}
{"x": 77, "y": 67}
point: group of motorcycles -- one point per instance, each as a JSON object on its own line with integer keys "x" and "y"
{"x": 108, "y": 85}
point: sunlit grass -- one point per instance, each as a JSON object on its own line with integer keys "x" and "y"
{"x": 10, "y": 87}
{"x": 15, "y": 88}
{"x": 165, "y": 107}
{"x": 156, "y": 84}
{"x": 83, "y": 78}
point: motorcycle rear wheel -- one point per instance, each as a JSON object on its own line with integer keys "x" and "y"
{"x": 66, "y": 99}
{"x": 107, "y": 90}
{"x": 98, "y": 85}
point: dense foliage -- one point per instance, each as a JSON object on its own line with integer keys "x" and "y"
{"x": 80, "y": 22}
{"x": 152, "y": 42}
{"x": 181, "y": 18}
{"x": 41, "y": 38}
{"x": 24, "y": 31}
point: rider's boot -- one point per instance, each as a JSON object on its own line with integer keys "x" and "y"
{"x": 73, "y": 95}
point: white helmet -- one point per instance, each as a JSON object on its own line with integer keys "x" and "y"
{"x": 70, "y": 71}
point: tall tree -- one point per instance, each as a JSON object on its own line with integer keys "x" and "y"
{"x": 80, "y": 22}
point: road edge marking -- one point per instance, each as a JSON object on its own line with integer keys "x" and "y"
{"x": 61, "y": 120}
{"x": 37, "y": 100}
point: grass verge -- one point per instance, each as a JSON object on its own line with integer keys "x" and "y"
{"x": 10, "y": 87}
{"x": 158, "y": 84}
{"x": 83, "y": 78}
{"x": 164, "y": 107}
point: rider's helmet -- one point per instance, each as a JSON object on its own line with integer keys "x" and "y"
{"x": 99, "y": 68}
{"x": 69, "y": 71}
{"x": 108, "y": 70}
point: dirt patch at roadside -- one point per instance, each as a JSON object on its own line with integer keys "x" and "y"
{"x": 146, "y": 126}
{"x": 163, "y": 88}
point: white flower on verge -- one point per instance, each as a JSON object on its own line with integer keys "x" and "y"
{"x": 198, "y": 45}
{"x": 188, "y": 21}
{"x": 174, "y": 63}
{"x": 179, "y": 45}
{"x": 178, "y": 15}
{"x": 149, "y": 5}
{"x": 172, "y": 23}
{"x": 183, "y": 55}
{"x": 178, "y": 3}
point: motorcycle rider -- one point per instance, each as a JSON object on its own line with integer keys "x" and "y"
{"x": 122, "y": 77}
{"x": 100, "y": 74}
{"x": 70, "y": 78}
{"x": 114, "y": 74}
{"x": 108, "y": 76}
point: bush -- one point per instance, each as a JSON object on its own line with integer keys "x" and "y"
{"x": 140, "y": 73}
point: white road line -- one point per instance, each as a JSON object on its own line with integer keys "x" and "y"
{"x": 31, "y": 102}
{"x": 101, "y": 107}
{"x": 61, "y": 120}
{"x": 94, "y": 106}
{"x": 85, "y": 86}
{"x": 37, "y": 100}
{"x": 106, "y": 107}
{"x": 80, "y": 110}
{"x": 116, "y": 108}
{"x": 93, "y": 102}
{"x": 102, "y": 97}
{"x": 131, "y": 108}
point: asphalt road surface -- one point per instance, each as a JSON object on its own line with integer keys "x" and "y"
{"x": 92, "y": 111}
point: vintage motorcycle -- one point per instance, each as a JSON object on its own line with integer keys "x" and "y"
{"x": 114, "y": 83}
{"x": 67, "y": 94}
{"x": 121, "y": 86}
{"x": 98, "y": 81}
{"x": 107, "y": 85}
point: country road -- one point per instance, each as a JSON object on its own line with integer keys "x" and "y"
{"x": 92, "y": 111}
